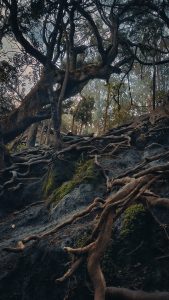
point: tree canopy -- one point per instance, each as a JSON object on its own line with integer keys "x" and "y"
{"x": 93, "y": 64}
{"x": 94, "y": 39}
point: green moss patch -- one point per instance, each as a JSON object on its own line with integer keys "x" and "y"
{"x": 82, "y": 239}
{"x": 131, "y": 235}
{"x": 60, "y": 172}
{"x": 84, "y": 172}
{"x": 131, "y": 255}
{"x": 134, "y": 220}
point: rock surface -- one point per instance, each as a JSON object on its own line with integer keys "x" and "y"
{"x": 137, "y": 255}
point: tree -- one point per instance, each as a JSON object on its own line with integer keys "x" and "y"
{"x": 83, "y": 112}
{"x": 55, "y": 30}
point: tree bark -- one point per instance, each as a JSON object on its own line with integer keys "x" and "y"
{"x": 2, "y": 148}
{"x": 74, "y": 116}
{"x": 154, "y": 85}
{"x": 106, "y": 108}
{"x": 28, "y": 112}
{"x": 54, "y": 117}
{"x": 58, "y": 142}
{"x": 81, "y": 129}
{"x": 48, "y": 132}
{"x": 32, "y": 135}
{"x": 41, "y": 134}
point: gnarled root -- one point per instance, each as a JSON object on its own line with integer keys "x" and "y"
{"x": 19, "y": 248}
{"x": 94, "y": 257}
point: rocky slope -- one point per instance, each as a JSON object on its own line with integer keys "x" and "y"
{"x": 43, "y": 191}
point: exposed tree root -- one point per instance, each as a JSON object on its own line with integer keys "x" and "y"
{"x": 133, "y": 190}
{"x": 71, "y": 271}
{"x": 133, "y": 187}
{"x": 108, "y": 182}
{"x": 97, "y": 203}
{"x": 157, "y": 201}
{"x": 12, "y": 178}
{"x": 19, "y": 248}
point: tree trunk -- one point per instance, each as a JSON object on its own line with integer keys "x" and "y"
{"x": 48, "y": 132}
{"x": 29, "y": 111}
{"x": 32, "y": 135}
{"x": 73, "y": 123}
{"x": 74, "y": 115}
{"x": 2, "y": 153}
{"x": 41, "y": 134}
{"x": 129, "y": 88}
{"x": 107, "y": 107}
{"x": 56, "y": 120}
{"x": 154, "y": 86}
{"x": 58, "y": 142}
{"x": 81, "y": 128}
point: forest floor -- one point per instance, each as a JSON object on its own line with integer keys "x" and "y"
{"x": 51, "y": 200}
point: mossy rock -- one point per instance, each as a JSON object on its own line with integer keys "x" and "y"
{"x": 60, "y": 172}
{"x": 82, "y": 239}
{"x": 85, "y": 172}
{"x": 134, "y": 220}
{"x": 133, "y": 233}
{"x": 131, "y": 255}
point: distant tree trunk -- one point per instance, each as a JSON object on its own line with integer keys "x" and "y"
{"x": 61, "y": 96}
{"x": 131, "y": 99}
{"x": 54, "y": 117}
{"x": 74, "y": 115}
{"x": 41, "y": 134}
{"x": 154, "y": 85}
{"x": 75, "y": 129}
{"x": 73, "y": 123}
{"x": 48, "y": 132}
{"x": 81, "y": 128}
{"x": 32, "y": 135}
{"x": 107, "y": 107}
{"x": 141, "y": 72}
{"x": 158, "y": 71}
{"x": 163, "y": 79}
{"x": 2, "y": 150}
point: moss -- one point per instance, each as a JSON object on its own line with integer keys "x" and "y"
{"x": 62, "y": 191}
{"x": 133, "y": 221}
{"x": 84, "y": 172}
{"x": 130, "y": 259}
{"x": 131, "y": 237}
{"x": 60, "y": 172}
{"x": 48, "y": 185}
{"x": 82, "y": 239}
{"x": 21, "y": 146}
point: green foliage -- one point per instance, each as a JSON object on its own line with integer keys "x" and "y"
{"x": 121, "y": 115}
